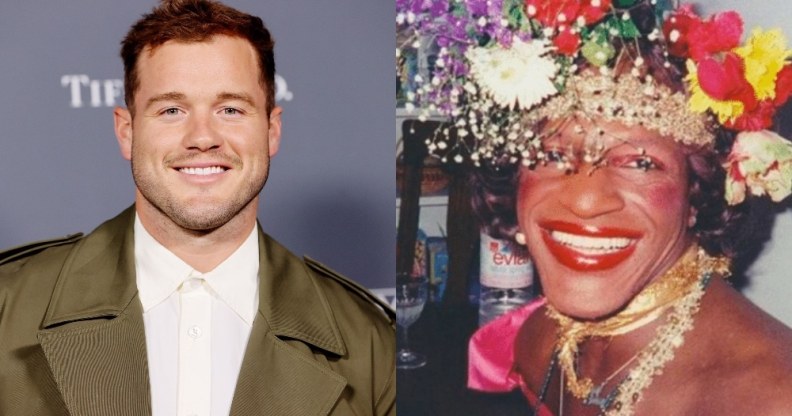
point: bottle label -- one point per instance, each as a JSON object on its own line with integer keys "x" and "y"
{"x": 501, "y": 267}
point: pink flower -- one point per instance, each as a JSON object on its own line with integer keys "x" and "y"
{"x": 720, "y": 33}
{"x": 690, "y": 36}
{"x": 760, "y": 162}
{"x": 724, "y": 80}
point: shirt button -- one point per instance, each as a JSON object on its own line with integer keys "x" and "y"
{"x": 194, "y": 332}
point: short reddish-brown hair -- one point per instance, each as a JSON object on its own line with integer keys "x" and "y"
{"x": 196, "y": 21}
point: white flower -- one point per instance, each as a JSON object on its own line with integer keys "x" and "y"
{"x": 521, "y": 76}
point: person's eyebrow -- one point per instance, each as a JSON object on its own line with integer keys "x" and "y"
{"x": 168, "y": 96}
{"x": 229, "y": 96}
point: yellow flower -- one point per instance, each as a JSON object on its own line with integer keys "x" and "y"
{"x": 764, "y": 54}
{"x": 700, "y": 102}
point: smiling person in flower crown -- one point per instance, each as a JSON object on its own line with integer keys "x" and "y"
{"x": 618, "y": 142}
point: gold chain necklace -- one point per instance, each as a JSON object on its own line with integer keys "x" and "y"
{"x": 680, "y": 287}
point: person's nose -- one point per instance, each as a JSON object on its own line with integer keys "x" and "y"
{"x": 201, "y": 134}
{"x": 590, "y": 193}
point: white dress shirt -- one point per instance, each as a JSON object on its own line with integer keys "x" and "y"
{"x": 197, "y": 325}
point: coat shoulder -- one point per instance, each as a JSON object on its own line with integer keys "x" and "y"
{"x": 29, "y": 271}
{"x": 374, "y": 303}
{"x": 30, "y": 249}
{"x": 367, "y": 326}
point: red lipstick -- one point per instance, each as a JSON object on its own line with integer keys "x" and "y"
{"x": 582, "y": 261}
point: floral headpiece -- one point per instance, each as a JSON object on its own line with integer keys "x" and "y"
{"x": 501, "y": 66}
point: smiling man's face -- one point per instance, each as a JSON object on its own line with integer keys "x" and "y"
{"x": 201, "y": 139}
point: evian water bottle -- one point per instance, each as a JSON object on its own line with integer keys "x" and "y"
{"x": 506, "y": 278}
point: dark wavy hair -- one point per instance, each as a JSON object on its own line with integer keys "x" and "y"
{"x": 718, "y": 227}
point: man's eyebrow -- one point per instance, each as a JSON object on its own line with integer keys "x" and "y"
{"x": 168, "y": 96}
{"x": 228, "y": 96}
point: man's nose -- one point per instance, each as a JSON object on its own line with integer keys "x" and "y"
{"x": 201, "y": 132}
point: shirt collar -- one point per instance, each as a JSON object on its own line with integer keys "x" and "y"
{"x": 160, "y": 273}
{"x": 235, "y": 280}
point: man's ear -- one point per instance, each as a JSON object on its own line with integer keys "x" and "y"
{"x": 274, "y": 134}
{"x": 122, "y": 122}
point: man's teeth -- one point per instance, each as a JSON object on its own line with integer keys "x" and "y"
{"x": 202, "y": 171}
{"x": 591, "y": 245}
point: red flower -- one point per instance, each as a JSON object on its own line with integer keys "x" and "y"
{"x": 760, "y": 118}
{"x": 558, "y": 13}
{"x": 724, "y": 80}
{"x": 678, "y": 27}
{"x": 567, "y": 42}
{"x": 783, "y": 85}
{"x": 690, "y": 36}
{"x": 721, "y": 33}
{"x": 593, "y": 14}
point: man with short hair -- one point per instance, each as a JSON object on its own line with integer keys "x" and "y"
{"x": 181, "y": 305}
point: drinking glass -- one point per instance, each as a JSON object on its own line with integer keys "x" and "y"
{"x": 411, "y": 294}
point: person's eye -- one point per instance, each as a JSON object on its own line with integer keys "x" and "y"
{"x": 170, "y": 111}
{"x": 555, "y": 156}
{"x": 644, "y": 163}
{"x": 231, "y": 111}
{"x": 556, "y": 160}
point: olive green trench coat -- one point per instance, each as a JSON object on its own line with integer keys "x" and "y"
{"x": 72, "y": 340}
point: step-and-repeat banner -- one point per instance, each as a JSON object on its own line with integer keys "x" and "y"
{"x": 330, "y": 192}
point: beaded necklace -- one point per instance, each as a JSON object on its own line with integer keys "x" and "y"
{"x": 680, "y": 289}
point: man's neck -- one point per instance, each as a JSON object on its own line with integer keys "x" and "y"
{"x": 202, "y": 250}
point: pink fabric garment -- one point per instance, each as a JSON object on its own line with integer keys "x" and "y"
{"x": 491, "y": 351}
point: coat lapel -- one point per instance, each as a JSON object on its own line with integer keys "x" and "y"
{"x": 93, "y": 336}
{"x": 284, "y": 371}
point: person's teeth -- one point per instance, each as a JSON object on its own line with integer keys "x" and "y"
{"x": 591, "y": 245}
{"x": 202, "y": 171}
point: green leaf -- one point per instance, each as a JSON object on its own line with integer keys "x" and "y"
{"x": 458, "y": 10}
{"x": 625, "y": 28}
{"x": 628, "y": 29}
{"x": 623, "y": 4}
{"x": 514, "y": 13}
